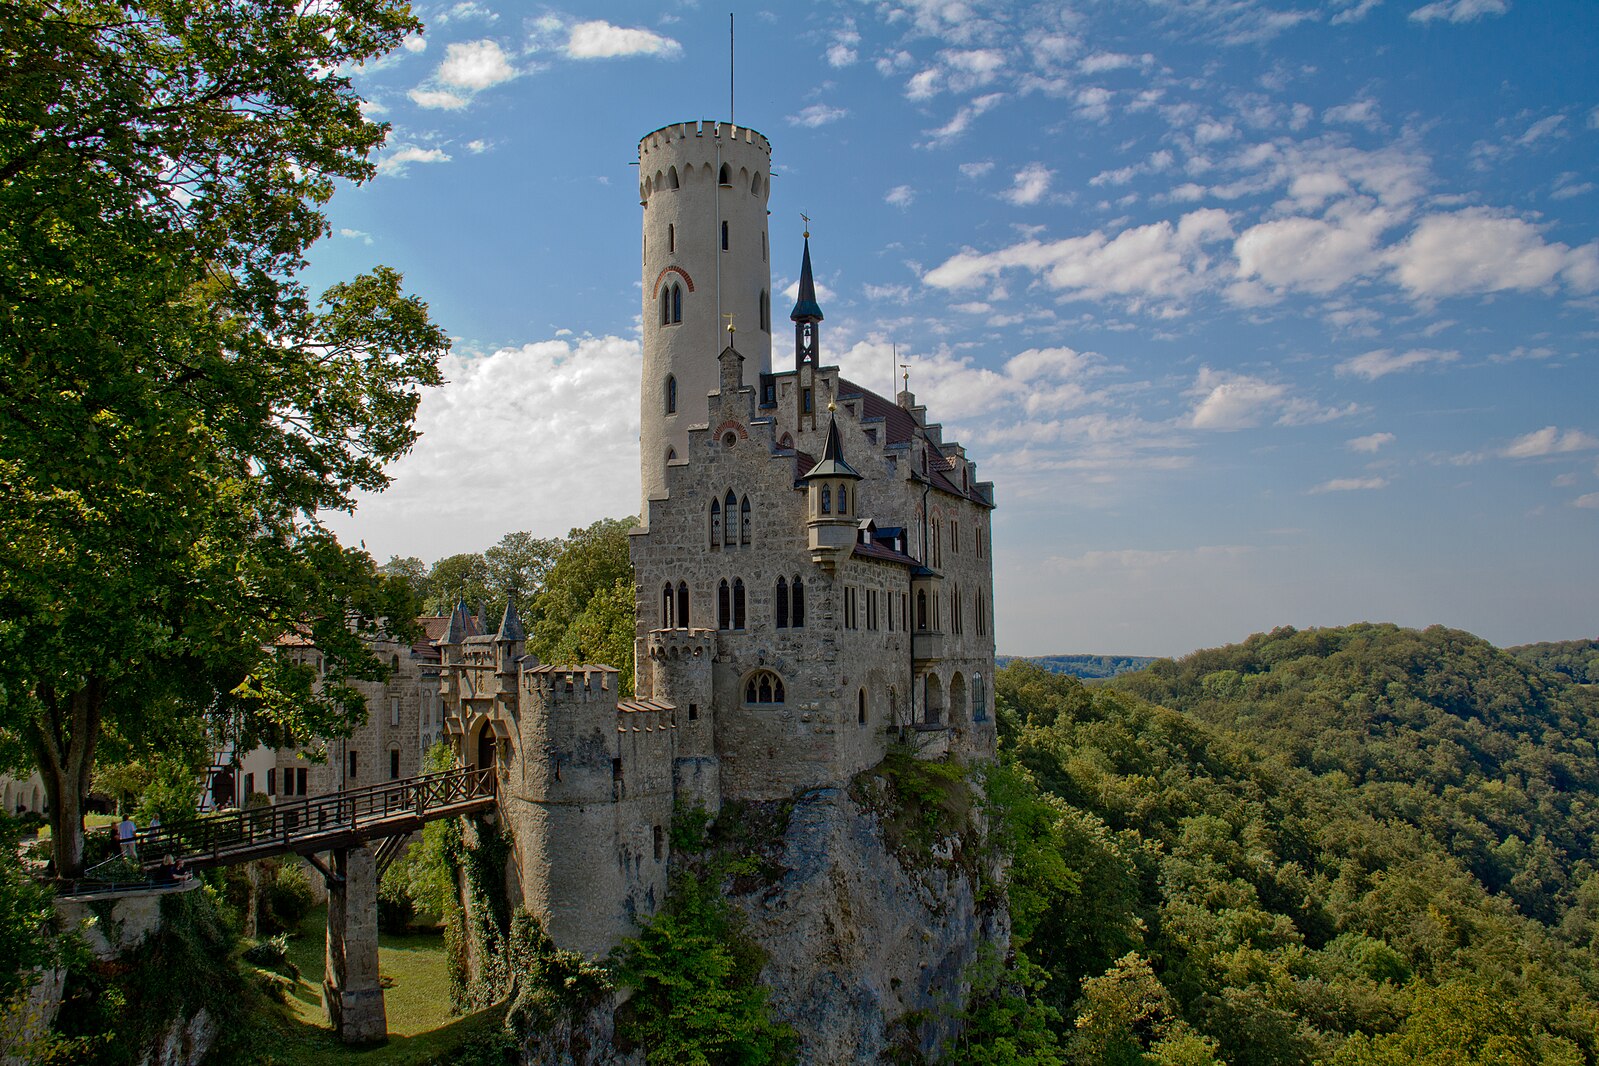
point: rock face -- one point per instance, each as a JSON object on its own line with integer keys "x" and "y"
{"x": 865, "y": 955}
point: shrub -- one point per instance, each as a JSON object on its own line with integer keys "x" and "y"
{"x": 286, "y": 898}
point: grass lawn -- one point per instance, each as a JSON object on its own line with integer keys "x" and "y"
{"x": 421, "y": 1027}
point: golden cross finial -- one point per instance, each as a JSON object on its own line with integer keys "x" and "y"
{"x": 807, "y": 219}
{"x": 729, "y": 316}
{"x": 907, "y": 368}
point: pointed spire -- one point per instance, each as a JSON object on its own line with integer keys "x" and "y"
{"x": 832, "y": 463}
{"x": 806, "y": 309}
{"x": 510, "y": 624}
{"x": 457, "y": 632}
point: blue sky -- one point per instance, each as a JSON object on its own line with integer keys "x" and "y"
{"x": 1256, "y": 313}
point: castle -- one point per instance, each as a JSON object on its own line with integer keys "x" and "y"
{"x": 813, "y": 567}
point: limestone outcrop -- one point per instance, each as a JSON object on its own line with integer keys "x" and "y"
{"x": 868, "y": 948}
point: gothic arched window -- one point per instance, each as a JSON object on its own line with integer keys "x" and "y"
{"x": 671, "y": 394}
{"x": 782, "y": 603}
{"x": 682, "y": 605}
{"x": 921, "y": 609}
{"x": 738, "y": 603}
{"x": 827, "y": 500}
{"x": 843, "y": 500}
{"x": 798, "y": 616}
{"x": 730, "y": 532}
{"x": 666, "y": 305}
{"x": 677, "y": 303}
{"x": 716, "y": 523}
{"x": 763, "y": 686}
{"x": 666, "y": 606}
{"x": 724, "y": 606}
{"x": 744, "y": 521}
{"x": 671, "y": 178}
{"x": 725, "y": 179}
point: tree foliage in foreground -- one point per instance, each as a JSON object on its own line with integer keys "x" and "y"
{"x": 175, "y": 407}
{"x": 1191, "y": 886}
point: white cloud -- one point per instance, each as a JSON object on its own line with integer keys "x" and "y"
{"x": 437, "y": 99}
{"x": 841, "y": 52}
{"x": 1093, "y": 103}
{"x": 1589, "y": 501}
{"x": 817, "y": 115}
{"x": 976, "y": 170}
{"x": 1353, "y": 10}
{"x": 1549, "y": 441}
{"x": 1361, "y": 112}
{"x": 1315, "y": 255}
{"x": 400, "y": 161}
{"x": 599, "y": 39}
{"x": 1544, "y": 127}
{"x": 1160, "y": 262}
{"x": 1100, "y": 62}
{"x": 1478, "y": 251}
{"x": 356, "y": 235}
{"x": 415, "y": 42}
{"x": 1029, "y": 185}
{"x": 962, "y": 120}
{"x": 1232, "y": 401}
{"x": 573, "y": 403}
{"x": 475, "y": 65}
{"x": 478, "y": 147}
{"x": 1350, "y": 484}
{"x": 1370, "y": 443}
{"x": 1459, "y": 10}
{"x": 1382, "y": 362}
{"x": 900, "y": 196}
{"x": 466, "y": 11}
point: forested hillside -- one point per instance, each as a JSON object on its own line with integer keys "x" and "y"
{"x": 1089, "y": 666}
{"x": 1361, "y": 845}
{"x": 1577, "y": 659}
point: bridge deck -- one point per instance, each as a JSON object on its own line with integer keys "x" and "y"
{"x": 319, "y": 823}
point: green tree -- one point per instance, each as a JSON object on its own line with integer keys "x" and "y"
{"x": 696, "y": 998}
{"x": 457, "y": 578}
{"x": 585, "y": 614}
{"x": 517, "y": 569}
{"x": 1460, "y": 1024}
{"x": 175, "y": 407}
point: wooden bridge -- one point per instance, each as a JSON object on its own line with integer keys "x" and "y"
{"x": 340, "y": 826}
{"x": 390, "y": 812}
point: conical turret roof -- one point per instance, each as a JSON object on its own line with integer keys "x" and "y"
{"x": 832, "y": 463}
{"x": 806, "y": 309}
{"x": 510, "y": 624}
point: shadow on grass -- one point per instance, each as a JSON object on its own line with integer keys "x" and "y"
{"x": 421, "y": 1030}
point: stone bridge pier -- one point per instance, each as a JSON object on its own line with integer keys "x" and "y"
{"x": 351, "y": 993}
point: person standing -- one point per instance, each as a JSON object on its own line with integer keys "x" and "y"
{"x": 126, "y": 831}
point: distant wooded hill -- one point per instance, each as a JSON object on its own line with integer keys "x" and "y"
{"x": 1089, "y": 666}
{"x": 1361, "y": 846}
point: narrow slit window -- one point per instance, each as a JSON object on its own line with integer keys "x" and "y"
{"x": 782, "y": 603}
{"x": 724, "y": 236}
{"x": 682, "y": 605}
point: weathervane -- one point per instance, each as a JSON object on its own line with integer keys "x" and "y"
{"x": 807, "y": 219}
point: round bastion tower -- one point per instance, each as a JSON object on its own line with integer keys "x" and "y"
{"x": 704, "y": 187}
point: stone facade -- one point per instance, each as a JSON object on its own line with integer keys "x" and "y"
{"x": 404, "y": 719}
{"x": 795, "y": 615}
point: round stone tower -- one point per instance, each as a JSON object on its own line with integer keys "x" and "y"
{"x": 704, "y": 187}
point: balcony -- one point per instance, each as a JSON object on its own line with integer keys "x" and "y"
{"x": 927, "y": 646}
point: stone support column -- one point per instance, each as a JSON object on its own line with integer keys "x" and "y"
{"x": 351, "y": 993}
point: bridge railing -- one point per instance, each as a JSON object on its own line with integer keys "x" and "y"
{"x": 283, "y": 823}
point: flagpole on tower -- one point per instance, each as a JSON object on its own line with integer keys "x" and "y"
{"x": 730, "y": 68}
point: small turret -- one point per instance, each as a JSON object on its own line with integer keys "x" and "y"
{"x": 509, "y": 639}
{"x": 831, "y": 503}
{"x": 807, "y": 317}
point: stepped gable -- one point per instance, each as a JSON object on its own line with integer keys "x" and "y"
{"x": 900, "y": 428}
